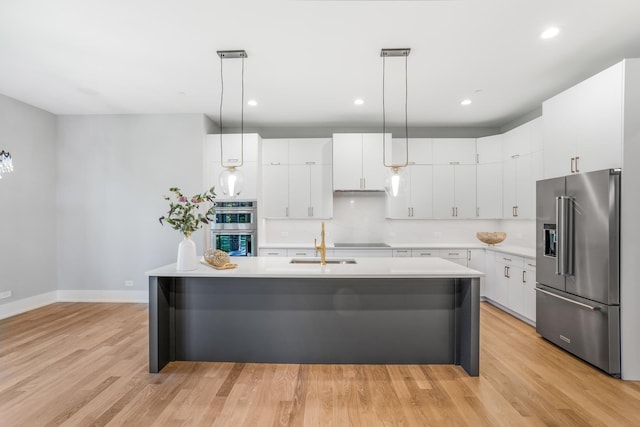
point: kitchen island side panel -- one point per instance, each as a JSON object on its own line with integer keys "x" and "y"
{"x": 307, "y": 320}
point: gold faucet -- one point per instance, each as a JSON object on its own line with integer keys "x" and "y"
{"x": 322, "y": 248}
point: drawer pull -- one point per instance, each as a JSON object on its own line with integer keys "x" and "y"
{"x": 588, "y": 307}
{"x": 507, "y": 259}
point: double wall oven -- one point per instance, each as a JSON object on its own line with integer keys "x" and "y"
{"x": 235, "y": 228}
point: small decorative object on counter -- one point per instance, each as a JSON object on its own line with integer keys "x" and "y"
{"x": 491, "y": 237}
{"x": 218, "y": 259}
{"x": 188, "y": 214}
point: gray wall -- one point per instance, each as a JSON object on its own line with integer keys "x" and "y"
{"x": 27, "y": 201}
{"x": 113, "y": 172}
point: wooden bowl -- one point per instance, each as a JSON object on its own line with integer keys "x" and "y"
{"x": 491, "y": 237}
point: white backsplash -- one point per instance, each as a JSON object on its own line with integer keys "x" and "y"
{"x": 359, "y": 217}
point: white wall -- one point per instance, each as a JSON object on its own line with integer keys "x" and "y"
{"x": 359, "y": 217}
{"x": 113, "y": 172}
{"x": 27, "y": 202}
{"x": 630, "y": 226}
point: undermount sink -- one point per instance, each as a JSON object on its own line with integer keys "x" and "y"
{"x": 317, "y": 261}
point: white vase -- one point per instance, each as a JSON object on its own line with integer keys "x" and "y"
{"x": 187, "y": 259}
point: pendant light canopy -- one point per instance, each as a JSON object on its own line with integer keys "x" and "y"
{"x": 231, "y": 179}
{"x": 396, "y": 179}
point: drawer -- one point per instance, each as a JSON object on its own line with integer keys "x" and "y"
{"x": 402, "y": 252}
{"x": 272, "y": 252}
{"x": 510, "y": 260}
{"x": 424, "y": 252}
{"x": 453, "y": 253}
{"x": 302, "y": 253}
{"x": 530, "y": 264}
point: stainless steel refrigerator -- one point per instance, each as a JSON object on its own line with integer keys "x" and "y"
{"x": 578, "y": 265}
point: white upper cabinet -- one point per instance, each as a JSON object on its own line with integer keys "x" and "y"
{"x": 522, "y": 167}
{"x": 583, "y": 126}
{"x": 414, "y": 151}
{"x": 489, "y": 177}
{"x": 454, "y": 151}
{"x": 236, "y": 150}
{"x": 358, "y": 161}
{"x": 275, "y": 151}
{"x": 454, "y": 191}
{"x": 310, "y": 151}
{"x": 296, "y": 178}
{"x": 415, "y": 201}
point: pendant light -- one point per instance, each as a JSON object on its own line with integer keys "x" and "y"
{"x": 6, "y": 163}
{"x": 396, "y": 179}
{"x": 231, "y": 179}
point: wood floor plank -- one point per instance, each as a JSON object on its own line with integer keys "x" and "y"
{"x": 81, "y": 364}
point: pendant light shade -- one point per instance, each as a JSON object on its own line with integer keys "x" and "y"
{"x": 396, "y": 182}
{"x": 231, "y": 179}
{"x": 396, "y": 179}
{"x": 231, "y": 182}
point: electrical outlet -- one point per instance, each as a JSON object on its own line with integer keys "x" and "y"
{"x": 128, "y": 283}
{"x": 5, "y": 294}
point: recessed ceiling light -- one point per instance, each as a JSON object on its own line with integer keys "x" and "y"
{"x": 465, "y": 102}
{"x": 359, "y": 101}
{"x": 550, "y": 33}
{"x": 252, "y": 102}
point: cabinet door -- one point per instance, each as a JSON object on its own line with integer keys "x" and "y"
{"x": 443, "y": 191}
{"x": 275, "y": 151}
{"x": 299, "y": 191}
{"x": 237, "y": 148}
{"x": 500, "y": 284}
{"x": 489, "y": 190}
{"x": 421, "y": 191}
{"x": 398, "y": 207}
{"x": 489, "y": 149}
{"x": 465, "y": 191}
{"x": 321, "y": 190}
{"x": 310, "y": 151}
{"x": 347, "y": 161}
{"x": 529, "y": 291}
{"x": 515, "y": 288}
{"x": 525, "y": 188}
{"x": 585, "y": 120}
{"x": 275, "y": 191}
{"x": 509, "y": 188}
{"x": 373, "y": 170}
{"x": 454, "y": 151}
{"x": 420, "y": 151}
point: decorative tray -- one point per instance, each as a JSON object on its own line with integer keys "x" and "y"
{"x": 226, "y": 266}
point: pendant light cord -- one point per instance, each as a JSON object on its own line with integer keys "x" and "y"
{"x": 241, "y": 117}
{"x": 406, "y": 120}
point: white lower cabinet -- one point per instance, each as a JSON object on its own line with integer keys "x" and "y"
{"x": 401, "y": 253}
{"x": 272, "y": 252}
{"x": 514, "y": 285}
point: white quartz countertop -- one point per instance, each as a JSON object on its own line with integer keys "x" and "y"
{"x": 373, "y": 267}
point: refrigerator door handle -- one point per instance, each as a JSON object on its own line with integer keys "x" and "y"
{"x": 587, "y": 306}
{"x": 564, "y": 224}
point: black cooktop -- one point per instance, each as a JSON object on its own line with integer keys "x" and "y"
{"x": 361, "y": 245}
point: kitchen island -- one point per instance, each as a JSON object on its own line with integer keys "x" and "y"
{"x": 268, "y": 310}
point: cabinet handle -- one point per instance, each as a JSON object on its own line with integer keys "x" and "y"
{"x": 573, "y": 159}
{"x": 468, "y": 255}
{"x": 516, "y": 211}
{"x": 531, "y": 265}
{"x": 425, "y": 253}
{"x": 286, "y": 211}
{"x": 477, "y": 158}
{"x": 577, "y": 158}
{"x": 515, "y": 156}
{"x": 477, "y": 211}
{"x": 507, "y": 259}
{"x": 309, "y": 163}
{"x": 408, "y": 211}
{"x": 300, "y": 253}
{"x": 507, "y": 270}
{"x": 454, "y": 253}
{"x": 524, "y": 276}
{"x": 454, "y": 163}
{"x": 504, "y": 271}
{"x": 272, "y": 253}
{"x": 275, "y": 163}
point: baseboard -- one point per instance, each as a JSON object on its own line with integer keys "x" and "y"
{"x": 103, "y": 296}
{"x": 26, "y": 304}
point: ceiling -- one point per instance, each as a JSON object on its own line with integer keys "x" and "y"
{"x": 308, "y": 60}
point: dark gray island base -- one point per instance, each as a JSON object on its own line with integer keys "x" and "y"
{"x": 333, "y": 320}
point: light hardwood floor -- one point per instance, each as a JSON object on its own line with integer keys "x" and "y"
{"x": 82, "y": 364}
